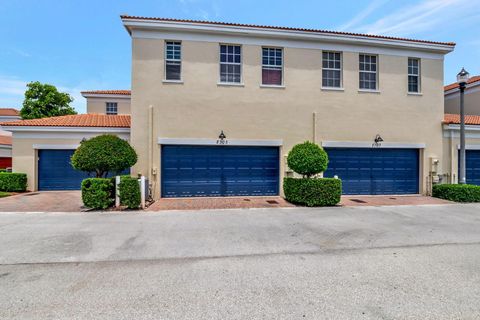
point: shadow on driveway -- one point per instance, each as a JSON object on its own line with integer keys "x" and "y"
{"x": 46, "y": 201}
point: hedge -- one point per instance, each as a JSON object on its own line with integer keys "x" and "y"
{"x": 13, "y": 182}
{"x": 457, "y": 192}
{"x": 98, "y": 193}
{"x": 129, "y": 192}
{"x": 313, "y": 192}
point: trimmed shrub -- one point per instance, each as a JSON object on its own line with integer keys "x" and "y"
{"x": 307, "y": 159}
{"x": 129, "y": 192}
{"x": 13, "y": 182}
{"x": 98, "y": 193}
{"x": 103, "y": 154}
{"x": 313, "y": 192}
{"x": 457, "y": 192}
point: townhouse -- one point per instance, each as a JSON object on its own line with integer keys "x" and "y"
{"x": 216, "y": 107}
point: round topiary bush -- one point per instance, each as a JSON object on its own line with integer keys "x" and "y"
{"x": 103, "y": 154}
{"x": 307, "y": 159}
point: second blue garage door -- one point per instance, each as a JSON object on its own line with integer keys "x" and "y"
{"x": 375, "y": 171}
{"x": 472, "y": 166}
{"x": 208, "y": 171}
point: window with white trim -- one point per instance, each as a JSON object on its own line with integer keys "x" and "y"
{"x": 413, "y": 75}
{"x": 331, "y": 69}
{"x": 111, "y": 108}
{"x": 368, "y": 72}
{"x": 173, "y": 60}
{"x": 272, "y": 66}
{"x": 230, "y": 63}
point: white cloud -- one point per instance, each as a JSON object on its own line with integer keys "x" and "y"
{"x": 363, "y": 14}
{"x": 426, "y": 15}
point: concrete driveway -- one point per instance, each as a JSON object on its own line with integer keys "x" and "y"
{"x": 397, "y": 262}
{"x": 45, "y": 201}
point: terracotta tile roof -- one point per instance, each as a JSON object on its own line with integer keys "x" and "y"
{"x": 78, "y": 120}
{"x": 455, "y": 119}
{"x": 120, "y": 92}
{"x": 6, "y": 140}
{"x": 284, "y": 28}
{"x": 9, "y": 112}
{"x": 455, "y": 85}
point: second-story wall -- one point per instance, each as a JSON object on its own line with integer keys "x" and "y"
{"x": 199, "y": 107}
{"x": 97, "y": 102}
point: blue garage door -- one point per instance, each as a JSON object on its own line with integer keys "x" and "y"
{"x": 208, "y": 171}
{"x": 55, "y": 171}
{"x": 375, "y": 171}
{"x": 472, "y": 166}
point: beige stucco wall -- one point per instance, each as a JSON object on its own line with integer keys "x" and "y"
{"x": 472, "y": 101}
{"x": 25, "y": 155}
{"x": 199, "y": 108}
{"x": 98, "y": 105}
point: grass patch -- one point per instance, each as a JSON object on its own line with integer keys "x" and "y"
{"x": 4, "y": 194}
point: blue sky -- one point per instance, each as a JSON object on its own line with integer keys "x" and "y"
{"x": 82, "y": 45}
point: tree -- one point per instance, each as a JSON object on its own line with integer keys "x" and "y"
{"x": 307, "y": 159}
{"x": 44, "y": 100}
{"x": 103, "y": 154}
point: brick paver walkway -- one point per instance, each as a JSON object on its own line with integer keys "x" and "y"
{"x": 351, "y": 201}
{"x": 47, "y": 201}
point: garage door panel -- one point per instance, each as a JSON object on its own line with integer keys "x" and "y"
{"x": 220, "y": 171}
{"x": 472, "y": 167}
{"x": 375, "y": 171}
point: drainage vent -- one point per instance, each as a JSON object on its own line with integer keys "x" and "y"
{"x": 272, "y": 201}
{"x": 358, "y": 201}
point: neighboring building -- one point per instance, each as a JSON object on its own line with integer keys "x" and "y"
{"x": 269, "y": 88}
{"x": 472, "y": 97}
{"x": 42, "y": 147}
{"x": 451, "y": 134}
{"x": 6, "y": 114}
{"x": 111, "y": 102}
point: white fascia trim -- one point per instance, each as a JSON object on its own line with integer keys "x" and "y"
{"x": 470, "y": 146}
{"x": 468, "y": 89}
{"x": 132, "y": 24}
{"x": 56, "y": 146}
{"x": 6, "y": 146}
{"x": 246, "y": 39}
{"x": 455, "y": 93}
{"x": 213, "y": 142}
{"x": 456, "y": 127}
{"x": 65, "y": 129}
{"x": 354, "y": 144}
{"x": 99, "y": 95}
{"x": 8, "y": 118}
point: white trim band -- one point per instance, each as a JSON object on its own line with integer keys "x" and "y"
{"x": 55, "y": 146}
{"x": 383, "y": 145}
{"x": 65, "y": 129}
{"x": 470, "y": 147}
{"x": 214, "y": 142}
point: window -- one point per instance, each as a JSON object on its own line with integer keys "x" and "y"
{"x": 368, "y": 72}
{"x": 230, "y": 64}
{"x": 272, "y": 65}
{"x": 112, "y": 108}
{"x": 331, "y": 69}
{"x": 173, "y": 60}
{"x": 413, "y": 75}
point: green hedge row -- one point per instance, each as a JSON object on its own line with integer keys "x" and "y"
{"x": 457, "y": 192}
{"x": 129, "y": 192}
{"x": 13, "y": 182}
{"x": 98, "y": 193}
{"x": 313, "y": 192}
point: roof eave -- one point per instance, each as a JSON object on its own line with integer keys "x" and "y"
{"x": 130, "y": 23}
{"x": 17, "y": 128}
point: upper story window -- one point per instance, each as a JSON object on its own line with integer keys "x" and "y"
{"x": 368, "y": 72}
{"x": 112, "y": 108}
{"x": 331, "y": 69}
{"x": 413, "y": 75}
{"x": 230, "y": 63}
{"x": 173, "y": 60}
{"x": 272, "y": 66}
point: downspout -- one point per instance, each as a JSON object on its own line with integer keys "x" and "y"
{"x": 314, "y": 133}
{"x": 150, "y": 148}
